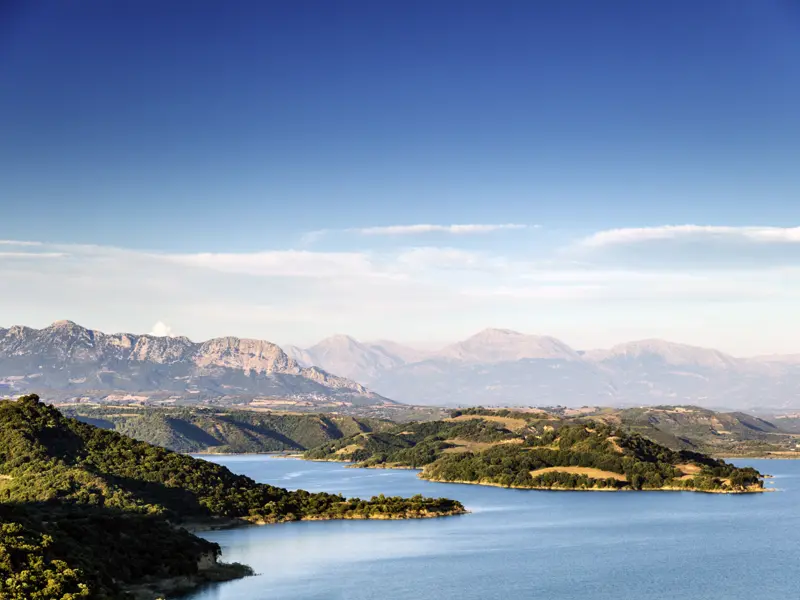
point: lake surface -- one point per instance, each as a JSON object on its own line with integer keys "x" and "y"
{"x": 518, "y": 543}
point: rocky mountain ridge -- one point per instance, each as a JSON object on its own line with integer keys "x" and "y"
{"x": 66, "y": 356}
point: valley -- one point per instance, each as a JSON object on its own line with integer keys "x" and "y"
{"x": 228, "y": 430}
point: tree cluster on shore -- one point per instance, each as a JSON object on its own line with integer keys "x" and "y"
{"x": 485, "y": 448}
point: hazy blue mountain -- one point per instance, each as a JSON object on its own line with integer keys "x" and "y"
{"x": 503, "y": 367}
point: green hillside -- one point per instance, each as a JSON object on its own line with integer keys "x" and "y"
{"x": 225, "y": 431}
{"x": 703, "y": 430}
{"x": 538, "y": 450}
{"x": 90, "y": 512}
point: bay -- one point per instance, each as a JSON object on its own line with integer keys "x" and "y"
{"x": 519, "y": 543}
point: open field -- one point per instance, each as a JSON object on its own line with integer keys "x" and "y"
{"x": 507, "y": 422}
{"x": 588, "y": 471}
{"x": 470, "y": 446}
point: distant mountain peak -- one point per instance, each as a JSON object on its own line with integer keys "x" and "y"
{"x": 670, "y": 352}
{"x": 65, "y": 323}
{"x": 497, "y": 332}
{"x": 503, "y": 345}
{"x": 339, "y": 339}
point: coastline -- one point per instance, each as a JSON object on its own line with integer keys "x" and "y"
{"x": 218, "y": 524}
{"x": 221, "y": 572}
{"x": 299, "y": 455}
{"x": 179, "y": 586}
{"x": 752, "y": 490}
{"x": 350, "y": 465}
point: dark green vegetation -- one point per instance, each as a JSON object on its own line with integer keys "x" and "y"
{"x": 198, "y": 429}
{"x": 224, "y": 431}
{"x": 88, "y": 512}
{"x": 537, "y": 450}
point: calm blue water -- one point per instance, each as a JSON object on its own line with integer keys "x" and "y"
{"x": 520, "y": 544}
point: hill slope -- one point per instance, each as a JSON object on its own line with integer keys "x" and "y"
{"x": 703, "y": 430}
{"x": 538, "y": 450}
{"x": 92, "y": 509}
{"x": 219, "y": 430}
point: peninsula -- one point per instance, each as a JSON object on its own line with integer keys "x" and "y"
{"x": 538, "y": 450}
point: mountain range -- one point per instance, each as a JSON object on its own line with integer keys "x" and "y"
{"x": 496, "y": 367}
{"x": 79, "y": 362}
{"x": 500, "y": 367}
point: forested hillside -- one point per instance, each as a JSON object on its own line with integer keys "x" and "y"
{"x": 221, "y": 430}
{"x": 538, "y": 450}
{"x": 703, "y": 430}
{"x": 89, "y": 512}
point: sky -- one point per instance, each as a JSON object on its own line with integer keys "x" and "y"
{"x": 415, "y": 171}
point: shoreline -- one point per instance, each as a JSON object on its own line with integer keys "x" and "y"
{"x": 224, "y": 523}
{"x": 299, "y": 455}
{"x": 597, "y": 489}
{"x": 177, "y": 587}
{"x": 351, "y": 465}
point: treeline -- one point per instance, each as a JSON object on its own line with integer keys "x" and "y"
{"x": 500, "y": 412}
{"x": 643, "y": 463}
{"x": 83, "y": 505}
{"x": 412, "y": 445}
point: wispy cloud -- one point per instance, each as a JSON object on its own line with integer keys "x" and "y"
{"x": 445, "y": 258}
{"x": 280, "y": 263}
{"x": 18, "y": 243}
{"x": 634, "y": 235}
{"x": 32, "y": 255}
{"x": 464, "y": 229}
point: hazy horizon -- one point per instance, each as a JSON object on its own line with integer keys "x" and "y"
{"x": 161, "y": 329}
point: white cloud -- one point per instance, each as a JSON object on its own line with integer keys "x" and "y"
{"x": 429, "y": 228}
{"x": 32, "y": 255}
{"x": 634, "y": 235}
{"x": 18, "y": 243}
{"x": 434, "y": 257}
{"x": 280, "y": 263}
{"x": 540, "y": 292}
{"x": 161, "y": 329}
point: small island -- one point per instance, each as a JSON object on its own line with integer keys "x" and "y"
{"x": 90, "y": 513}
{"x": 537, "y": 450}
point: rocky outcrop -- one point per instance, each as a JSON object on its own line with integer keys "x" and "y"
{"x": 66, "y": 356}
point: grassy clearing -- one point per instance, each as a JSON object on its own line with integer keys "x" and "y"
{"x": 348, "y": 449}
{"x": 470, "y": 446}
{"x": 689, "y": 469}
{"x": 507, "y": 422}
{"x": 588, "y": 471}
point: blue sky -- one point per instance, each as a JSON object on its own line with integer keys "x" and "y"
{"x": 289, "y": 170}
